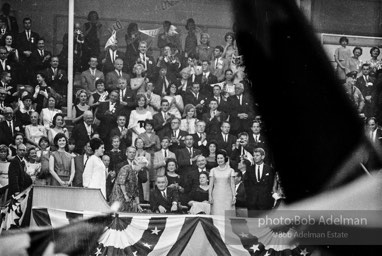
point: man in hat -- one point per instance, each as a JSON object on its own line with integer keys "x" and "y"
{"x": 353, "y": 92}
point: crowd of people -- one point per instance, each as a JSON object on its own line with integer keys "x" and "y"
{"x": 180, "y": 132}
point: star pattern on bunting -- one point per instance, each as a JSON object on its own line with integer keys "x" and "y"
{"x": 135, "y": 253}
{"x": 98, "y": 252}
{"x": 255, "y": 248}
{"x": 155, "y": 231}
{"x": 243, "y": 235}
{"x": 267, "y": 253}
{"x": 147, "y": 245}
{"x": 304, "y": 252}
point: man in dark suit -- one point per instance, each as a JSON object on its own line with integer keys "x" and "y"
{"x": 111, "y": 175}
{"x": 107, "y": 113}
{"x": 5, "y": 64}
{"x": 365, "y": 84}
{"x": 222, "y": 102}
{"x": 40, "y": 57}
{"x": 127, "y": 97}
{"x": 224, "y": 139}
{"x": 259, "y": 182}
{"x": 241, "y": 198}
{"x": 200, "y": 137}
{"x": 242, "y": 150}
{"x": 205, "y": 79}
{"x": 121, "y": 131}
{"x": 83, "y": 131}
{"x": 162, "y": 119}
{"x": 10, "y": 21}
{"x": 190, "y": 180}
{"x": 176, "y": 135}
{"x": 109, "y": 56}
{"x": 19, "y": 180}
{"x": 91, "y": 75}
{"x": 148, "y": 62}
{"x": 80, "y": 163}
{"x": 8, "y": 127}
{"x": 113, "y": 76}
{"x": 197, "y": 99}
{"x": 8, "y": 89}
{"x": 163, "y": 82}
{"x": 187, "y": 156}
{"x": 213, "y": 118}
{"x": 162, "y": 198}
{"x": 26, "y": 44}
{"x": 256, "y": 138}
{"x": 242, "y": 110}
{"x": 56, "y": 78}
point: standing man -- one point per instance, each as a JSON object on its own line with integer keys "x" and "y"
{"x": 162, "y": 198}
{"x": 187, "y": 156}
{"x": 259, "y": 182}
{"x": 219, "y": 65}
{"x": 56, "y": 78}
{"x": 40, "y": 56}
{"x": 365, "y": 84}
{"x": 91, "y": 75}
{"x": 113, "y": 76}
{"x": 241, "y": 198}
{"x": 148, "y": 62}
{"x": 80, "y": 163}
{"x": 161, "y": 156}
{"x": 19, "y": 180}
{"x": 224, "y": 139}
{"x": 83, "y": 131}
{"x": 162, "y": 119}
{"x": 177, "y": 136}
{"x": 8, "y": 127}
{"x": 122, "y": 132}
{"x": 109, "y": 56}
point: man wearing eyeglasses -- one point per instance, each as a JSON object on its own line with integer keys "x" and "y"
{"x": 19, "y": 180}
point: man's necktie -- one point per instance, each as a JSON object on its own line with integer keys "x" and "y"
{"x": 164, "y": 194}
{"x": 191, "y": 155}
{"x": 258, "y": 173}
{"x": 165, "y": 153}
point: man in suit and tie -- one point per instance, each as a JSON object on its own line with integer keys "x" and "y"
{"x": 8, "y": 88}
{"x": 219, "y": 65}
{"x": 5, "y": 64}
{"x": 109, "y": 56}
{"x": 191, "y": 178}
{"x": 242, "y": 151}
{"x": 83, "y": 131}
{"x": 80, "y": 163}
{"x": 205, "y": 79}
{"x": 241, "y": 198}
{"x": 56, "y": 78}
{"x": 242, "y": 110}
{"x": 127, "y": 97}
{"x": 111, "y": 175}
{"x": 3, "y": 103}
{"x": 148, "y": 62}
{"x": 222, "y": 101}
{"x": 365, "y": 84}
{"x": 10, "y": 21}
{"x": 19, "y": 180}
{"x": 8, "y": 127}
{"x": 197, "y": 99}
{"x": 187, "y": 156}
{"x": 256, "y": 138}
{"x": 176, "y": 135}
{"x": 200, "y": 137}
{"x": 259, "y": 183}
{"x": 161, "y": 156}
{"x": 162, "y": 198}
{"x": 122, "y": 132}
{"x": 113, "y": 76}
{"x": 224, "y": 139}
{"x": 162, "y": 119}
{"x": 163, "y": 82}
{"x": 89, "y": 76}
{"x": 40, "y": 57}
{"x": 213, "y": 118}
{"x": 107, "y": 114}
{"x": 26, "y": 44}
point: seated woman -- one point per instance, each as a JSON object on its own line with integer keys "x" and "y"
{"x": 151, "y": 141}
{"x": 175, "y": 100}
{"x": 61, "y": 163}
{"x": 19, "y": 139}
{"x": 4, "y": 164}
{"x": 81, "y": 107}
{"x": 138, "y": 83}
{"x": 211, "y": 156}
{"x": 126, "y": 189}
{"x": 41, "y": 92}
{"x": 188, "y": 123}
{"x": 138, "y": 117}
{"x": 33, "y": 167}
{"x": 58, "y": 124}
{"x": 199, "y": 196}
{"x": 230, "y": 48}
{"x": 144, "y": 159}
{"x": 47, "y": 114}
{"x": 13, "y": 53}
{"x": 43, "y": 155}
{"x": 228, "y": 84}
{"x": 172, "y": 177}
{"x": 34, "y": 131}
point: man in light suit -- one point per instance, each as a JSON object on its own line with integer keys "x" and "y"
{"x": 79, "y": 164}
{"x": 259, "y": 183}
{"x": 161, "y": 156}
{"x": 187, "y": 156}
{"x": 89, "y": 76}
{"x": 109, "y": 56}
{"x": 83, "y": 131}
{"x": 113, "y": 76}
{"x": 219, "y": 65}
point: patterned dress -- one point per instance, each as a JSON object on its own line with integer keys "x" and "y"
{"x": 128, "y": 177}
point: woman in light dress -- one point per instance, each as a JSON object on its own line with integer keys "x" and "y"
{"x": 143, "y": 158}
{"x": 95, "y": 173}
{"x": 4, "y": 164}
{"x": 81, "y": 107}
{"x": 188, "y": 122}
{"x": 175, "y": 100}
{"x": 230, "y": 47}
{"x": 340, "y": 56}
{"x": 138, "y": 117}
{"x": 222, "y": 187}
{"x": 228, "y": 84}
{"x": 375, "y": 64}
{"x": 354, "y": 63}
{"x": 138, "y": 83}
{"x": 34, "y": 132}
{"x": 58, "y": 124}
{"x": 47, "y": 114}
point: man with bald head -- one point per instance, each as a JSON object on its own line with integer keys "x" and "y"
{"x": 19, "y": 180}
{"x": 190, "y": 179}
{"x": 113, "y": 76}
{"x": 8, "y": 127}
{"x": 83, "y": 131}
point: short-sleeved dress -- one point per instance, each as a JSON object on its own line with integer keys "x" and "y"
{"x": 62, "y": 166}
{"x": 342, "y": 54}
{"x": 222, "y": 193}
{"x": 128, "y": 177}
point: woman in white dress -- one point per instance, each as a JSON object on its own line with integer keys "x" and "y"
{"x": 95, "y": 173}
{"x": 47, "y": 114}
{"x": 222, "y": 187}
{"x": 138, "y": 83}
{"x": 188, "y": 122}
{"x": 138, "y": 117}
{"x": 175, "y": 100}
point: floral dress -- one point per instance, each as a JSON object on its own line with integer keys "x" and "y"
{"x": 128, "y": 177}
